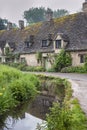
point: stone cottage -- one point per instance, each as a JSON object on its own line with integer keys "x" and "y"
{"x": 48, "y": 38}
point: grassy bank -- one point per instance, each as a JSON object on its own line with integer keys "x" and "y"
{"x": 15, "y": 88}
{"x": 65, "y": 115}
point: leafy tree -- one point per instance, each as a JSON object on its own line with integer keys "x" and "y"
{"x": 60, "y": 12}
{"x": 2, "y": 25}
{"x": 34, "y": 15}
{"x": 62, "y": 60}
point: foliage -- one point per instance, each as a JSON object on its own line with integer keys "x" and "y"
{"x": 39, "y": 57}
{"x": 68, "y": 115}
{"x": 15, "y": 87}
{"x": 7, "y": 50}
{"x": 62, "y": 60}
{"x": 85, "y": 65}
{"x": 2, "y": 24}
{"x": 74, "y": 69}
{"x": 34, "y": 15}
{"x": 24, "y": 67}
{"x": 35, "y": 68}
{"x": 22, "y": 89}
{"x": 66, "y": 119}
{"x": 60, "y": 12}
{"x": 51, "y": 70}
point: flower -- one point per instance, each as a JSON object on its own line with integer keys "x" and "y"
{"x": 3, "y": 88}
{"x": 1, "y": 94}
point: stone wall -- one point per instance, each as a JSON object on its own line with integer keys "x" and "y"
{"x": 76, "y": 57}
{"x": 30, "y": 59}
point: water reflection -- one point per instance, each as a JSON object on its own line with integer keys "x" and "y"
{"x": 29, "y": 122}
{"x": 21, "y": 119}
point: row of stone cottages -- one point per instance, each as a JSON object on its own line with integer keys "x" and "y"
{"x": 48, "y": 37}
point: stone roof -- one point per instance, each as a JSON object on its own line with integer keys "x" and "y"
{"x": 73, "y": 29}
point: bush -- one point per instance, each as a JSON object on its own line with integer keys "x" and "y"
{"x": 85, "y": 64}
{"x": 62, "y": 60}
{"x": 74, "y": 69}
{"x": 22, "y": 89}
{"x": 51, "y": 70}
{"x": 15, "y": 87}
{"x": 35, "y": 68}
{"x": 66, "y": 119}
{"x": 24, "y": 67}
{"x": 68, "y": 115}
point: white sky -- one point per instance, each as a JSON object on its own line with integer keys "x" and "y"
{"x": 13, "y": 9}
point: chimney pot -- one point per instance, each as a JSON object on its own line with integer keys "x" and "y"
{"x": 49, "y": 15}
{"x": 9, "y": 26}
{"x": 85, "y": 6}
{"x": 21, "y": 24}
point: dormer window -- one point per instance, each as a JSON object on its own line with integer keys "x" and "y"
{"x": 28, "y": 44}
{"x": 58, "y": 44}
{"x": 44, "y": 43}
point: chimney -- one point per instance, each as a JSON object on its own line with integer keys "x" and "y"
{"x": 49, "y": 15}
{"x": 21, "y": 24}
{"x": 50, "y": 36}
{"x": 9, "y": 26}
{"x": 85, "y": 6}
{"x": 32, "y": 38}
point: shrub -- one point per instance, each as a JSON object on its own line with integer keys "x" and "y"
{"x": 51, "y": 70}
{"x": 35, "y": 68}
{"x": 66, "y": 119}
{"x": 15, "y": 87}
{"x": 74, "y": 69}
{"x": 85, "y": 64}
{"x": 22, "y": 89}
{"x": 62, "y": 60}
{"x": 68, "y": 115}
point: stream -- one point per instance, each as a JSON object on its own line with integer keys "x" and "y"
{"x": 27, "y": 116}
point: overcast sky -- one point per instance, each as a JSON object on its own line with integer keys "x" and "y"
{"x": 13, "y": 9}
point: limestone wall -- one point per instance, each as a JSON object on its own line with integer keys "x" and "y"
{"x": 30, "y": 59}
{"x": 76, "y": 57}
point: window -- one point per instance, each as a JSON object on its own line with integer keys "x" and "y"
{"x": 44, "y": 43}
{"x": 28, "y": 44}
{"x": 23, "y": 60}
{"x": 82, "y": 59}
{"x": 58, "y": 44}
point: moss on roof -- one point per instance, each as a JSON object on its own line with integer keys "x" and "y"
{"x": 74, "y": 26}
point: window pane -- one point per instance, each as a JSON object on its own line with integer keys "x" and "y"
{"x": 44, "y": 43}
{"x": 82, "y": 59}
{"x": 58, "y": 44}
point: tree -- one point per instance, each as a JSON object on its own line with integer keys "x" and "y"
{"x": 62, "y": 60}
{"x": 34, "y": 15}
{"x": 60, "y": 12}
{"x": 2, "y": 25}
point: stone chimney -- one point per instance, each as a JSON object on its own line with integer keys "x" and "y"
{"x": 32, "y": 38}
{"x": 49, "y": 15}
{"x": 85, "y": 6}
{"x": 9, "y": 26}
{"x": 50, "y": 36}
{"x": 21, "y": 24}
